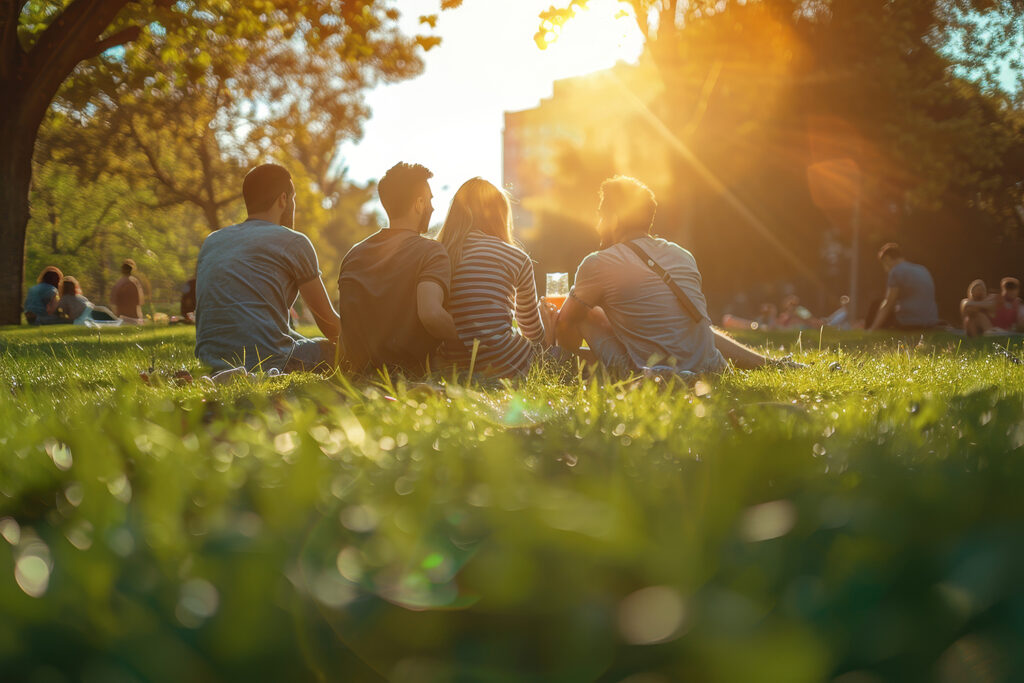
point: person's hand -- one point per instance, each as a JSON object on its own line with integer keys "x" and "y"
{"x": 549, "y": 316}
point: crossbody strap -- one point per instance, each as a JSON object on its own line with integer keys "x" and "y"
{"x": 667, "y": 279}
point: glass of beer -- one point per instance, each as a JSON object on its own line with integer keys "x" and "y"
{"x": 557, "y": 289}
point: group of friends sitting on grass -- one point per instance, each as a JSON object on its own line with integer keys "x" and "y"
{"x": 57, "y": 299}
{"x": 465, "y": 300}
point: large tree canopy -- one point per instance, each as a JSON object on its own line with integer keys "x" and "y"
{"x": 757, "y": 98}
{"x": 248, "y": 79}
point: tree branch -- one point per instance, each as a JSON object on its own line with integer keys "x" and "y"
{"x": 97, "y": 230}
{"x": 59, "y": 49}
{"x": 163, "y": 178}
{"x": 120, "y": 38}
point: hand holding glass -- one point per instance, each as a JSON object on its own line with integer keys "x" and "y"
{"x": 557, "y": 288}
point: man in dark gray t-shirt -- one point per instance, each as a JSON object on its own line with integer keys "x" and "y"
{"x": 393, "y": 285}
{"x": 247, "y": 278}
{"x": 909, "y": 296}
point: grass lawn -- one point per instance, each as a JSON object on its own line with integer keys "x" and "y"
{"x": 860, "y": 520}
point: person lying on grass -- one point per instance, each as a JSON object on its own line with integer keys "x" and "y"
{"x": 249, "y": 275}
{"x": 393, "y": 285}
{"x": 75, "y": 308}
{"x": 638, "y": 301}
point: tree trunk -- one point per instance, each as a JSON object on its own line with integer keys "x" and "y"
{"x": 212, "y": 215}
{"x": 16, "y": 145}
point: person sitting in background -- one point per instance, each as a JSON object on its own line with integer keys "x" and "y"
{"x": 188, "y": 304}
{"x": 909, "y": 302}
{"x": 976, "y": 310}
{"x": 249, "y": 275}
{"x": 794, "y": 316}
{"x": 638, "y": 301}
{"x": 985, "y": 313}
{"x": 393, "y": 285}
{"x": 767, "y": 316}
{"x": 41, "y": 299}
{"x": 126, "y": 296}
{"x": 1007, "y": 315}
{"x": 491, "y": 279}
{"x": 840, "y": 318}
{"x": 77, "y": 309}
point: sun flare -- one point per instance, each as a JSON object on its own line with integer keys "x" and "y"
{"x": 597, "y": 37}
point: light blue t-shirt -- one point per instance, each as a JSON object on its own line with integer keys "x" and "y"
{"x": 915, "y": 302}
{"x": 647, "y": 317}
{"x": 38, "y": 296}
{"x": 247, "y": 278}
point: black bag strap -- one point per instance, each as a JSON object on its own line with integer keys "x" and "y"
{"x": 667, "y": 279}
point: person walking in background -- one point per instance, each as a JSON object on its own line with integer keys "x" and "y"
{"x": 76, "y": 308}
{"x": 491, "y": 279}
{"x": 638, "y": 301}
{"x": 393, "y": 285}
{"x": 249, "y": 275}
{"x": 41, "y": 300}
{"x": 126, "y": 296}
{"x": 909, "y": 302}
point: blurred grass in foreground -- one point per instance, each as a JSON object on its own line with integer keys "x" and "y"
{"x": 861, "y": 520}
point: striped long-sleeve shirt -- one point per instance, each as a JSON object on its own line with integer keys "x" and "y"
{"x": 492, "y": 282}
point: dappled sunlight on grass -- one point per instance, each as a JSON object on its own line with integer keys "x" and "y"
{"x": 863, "y": 514}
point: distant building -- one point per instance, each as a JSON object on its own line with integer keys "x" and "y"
{"x": 590, "y": 124}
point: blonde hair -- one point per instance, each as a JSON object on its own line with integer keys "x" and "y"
{"x": 478, "y": 205}
{"x": 976, "y": 283}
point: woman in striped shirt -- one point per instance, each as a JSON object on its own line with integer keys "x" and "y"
{"x": 492, "y": 282}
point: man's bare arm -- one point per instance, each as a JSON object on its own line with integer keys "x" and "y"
{"x": 740, "y": 355}
{"x": 431, "y": 312}
{"x": 886, "y": 308}
{"x": 315, "y": 295}
{"x": 567, "y": 324}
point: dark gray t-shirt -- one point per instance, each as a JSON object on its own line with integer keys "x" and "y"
{"x": 380, "y": 325}
{"x": 247, "y": 278}
{"x": 915, "y": 301}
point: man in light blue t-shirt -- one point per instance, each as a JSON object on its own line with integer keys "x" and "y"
{"x": 249, "y": 275}
{"x": 909, "y": 296}
{"x": 630, "y": 316}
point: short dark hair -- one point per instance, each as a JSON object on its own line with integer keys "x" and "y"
{"x": 263, "y": 185}
{"x": 890, "y": 250}
{"x": 51, "y": 275}
{"x": 1009, "y": 283}
{"x": 400, "y": 186}
{"x": 127, "y": 266}
{"x": 631, "y": 201}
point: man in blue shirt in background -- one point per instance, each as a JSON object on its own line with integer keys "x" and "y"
{"x": 247, "y": 278}
{"x": 909, "y": 296}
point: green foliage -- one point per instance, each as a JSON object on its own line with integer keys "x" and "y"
{"x": 862, "y": 516}
{"x": 753, "y": 99}
{"x": 88, "y": 228}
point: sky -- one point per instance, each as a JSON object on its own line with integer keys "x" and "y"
{"x": 450, "y": 118}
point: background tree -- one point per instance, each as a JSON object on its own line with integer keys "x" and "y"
{"x": 194, "y": 45}
{"x": 756, "y": 96}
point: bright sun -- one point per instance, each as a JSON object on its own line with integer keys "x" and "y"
{"x": 596, "y": 38}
